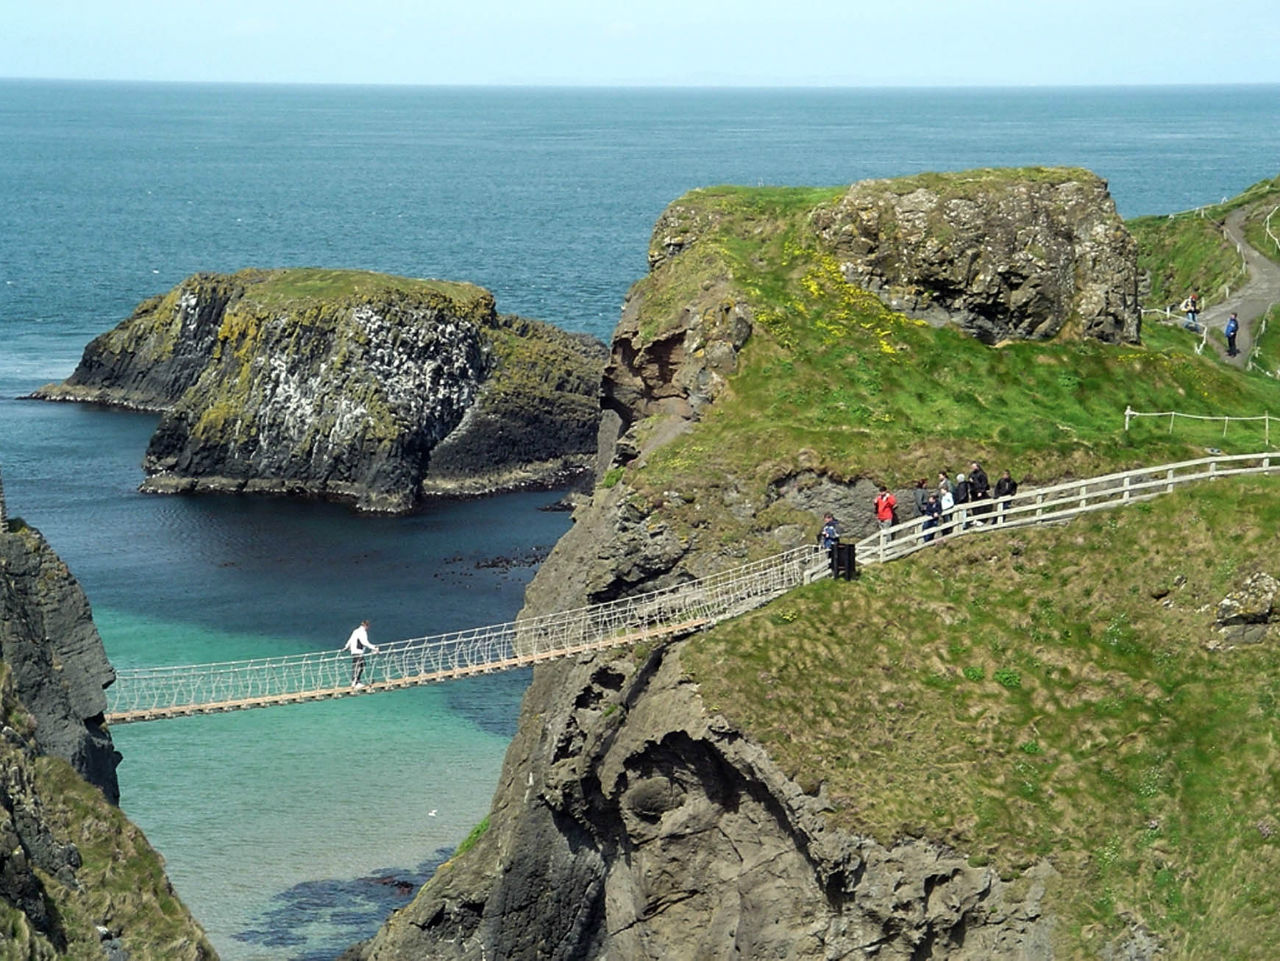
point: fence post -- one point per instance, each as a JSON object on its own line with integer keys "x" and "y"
{"x": 1128, "y": 413}
{"x": 1171, "y": 416}
{"x": 1039, "y": 508}
{"x": 1126, "y": 496}
{"x": 1169, "y": 477}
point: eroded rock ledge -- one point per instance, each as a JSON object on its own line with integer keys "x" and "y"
{"x": 345, "y": 385}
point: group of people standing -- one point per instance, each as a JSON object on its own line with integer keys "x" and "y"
{"x": 950, "y": 506}
{"x": 964, "y": 502}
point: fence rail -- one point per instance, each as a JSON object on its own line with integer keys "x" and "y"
{"x": 1130, "y": 414}
{"x": 152, "y": 693}
{"x": 1059, "y": 503}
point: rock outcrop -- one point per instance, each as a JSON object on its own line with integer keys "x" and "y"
{"x": 77, "y": 879}
{"x": 1003, "y": 254}
{"x": 55, "y": 657}
{"x": 345, "y": 385}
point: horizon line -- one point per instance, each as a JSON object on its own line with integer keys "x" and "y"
{"x": 626, "y": 85}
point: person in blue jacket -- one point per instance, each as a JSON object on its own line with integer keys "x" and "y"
{"x": 1232, "y": 328}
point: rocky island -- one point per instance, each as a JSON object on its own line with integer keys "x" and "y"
{"x": 345, "y": 385}
{"x": 1009, "y": 747}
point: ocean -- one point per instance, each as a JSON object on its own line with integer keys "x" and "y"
{"x": 291, "y": 832}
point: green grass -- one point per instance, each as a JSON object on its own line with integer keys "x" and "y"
{"x": 1269, "y": 342}
{"x": 295, "y": 287}
{"x": 122, "y": 877}
{"x": 1185, "y": 253}
{"x": 834, "y": 382}
{"x": 1045, "y": 694}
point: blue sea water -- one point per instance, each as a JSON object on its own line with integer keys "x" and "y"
{"x": 285, "y": 830}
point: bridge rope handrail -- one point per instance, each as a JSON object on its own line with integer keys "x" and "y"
{"x": 1059, "y": 502}
{"x": 148, "y": 692}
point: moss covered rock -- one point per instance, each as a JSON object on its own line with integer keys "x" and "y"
{"x": 345, "y": 385}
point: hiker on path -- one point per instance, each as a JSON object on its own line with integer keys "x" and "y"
{"x": 829, "y": 536}
{"x": 885, "y": 507}
{"x": 1232, "y": 328}
{"x": 947, "y": 501}
{"x": 358, "y": 644}
{"x": 961, "y": 496}
{"x": 1006, "y": 487}
{"x": 979, "y": 489}
{"x": 1191, "y": 307}
{"x": 921, "y": 494}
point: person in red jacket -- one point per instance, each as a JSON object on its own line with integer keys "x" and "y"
{"x": 885, "y": 505}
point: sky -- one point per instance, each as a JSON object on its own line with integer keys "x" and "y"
{"x": 646, "y": 42}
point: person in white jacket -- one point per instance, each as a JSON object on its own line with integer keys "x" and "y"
{"x": 358, "y": 644}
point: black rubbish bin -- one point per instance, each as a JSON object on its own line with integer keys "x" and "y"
{"x": 844, "y": 564}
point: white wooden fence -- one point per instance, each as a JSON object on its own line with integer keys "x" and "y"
{"x": 1130, "y": 414}
{"x": 1058, "y": 503}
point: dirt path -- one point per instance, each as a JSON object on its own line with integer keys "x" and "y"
{"x": 1251, "y": 301}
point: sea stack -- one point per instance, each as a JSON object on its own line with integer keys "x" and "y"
{"x": 345, "y": 385}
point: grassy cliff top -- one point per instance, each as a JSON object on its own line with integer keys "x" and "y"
{"x": 835, "y": 382}
{"x": 1186, "y": 251}
{"x": 306, "y": 285}
{"x": 1046, "y": 693}
{"x": 967, "y": 184}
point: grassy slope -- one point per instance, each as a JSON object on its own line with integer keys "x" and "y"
{"x": 1015, "y": 696}
{"x": 834, "y": 381}
{"x": 1025, "y": 695}
{"x": 1186, "y": 251}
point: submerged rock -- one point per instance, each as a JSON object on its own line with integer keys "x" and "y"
{"x": 345, "y": 385}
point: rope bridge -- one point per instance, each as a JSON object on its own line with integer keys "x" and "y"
{"x": 150, "y": 694}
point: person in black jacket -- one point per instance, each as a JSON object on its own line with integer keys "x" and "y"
{"x": 979, "y": 490}
{"x": 1006, "y": 487}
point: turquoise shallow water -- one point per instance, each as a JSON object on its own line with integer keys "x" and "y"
{"x": 306, "y": 805}
{"x": 281, "y": 827}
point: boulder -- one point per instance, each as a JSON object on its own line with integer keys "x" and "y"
{"x": 1004, "y": 254}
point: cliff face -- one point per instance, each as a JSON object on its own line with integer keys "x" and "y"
{"x": 77, "y": 879}
{"x": 631, "y": 822}
{"x": 344, "y": 385}
{"x": 55, "y": 657}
